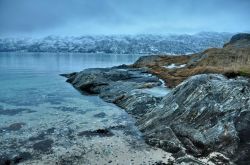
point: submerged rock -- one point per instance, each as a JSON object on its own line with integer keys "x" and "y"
{"x": 12, "y": 112}
{"x": 100, "y": 115}
{"x": 98, "y": 132}
{"x": 21, "y": 157}
{"x": 43, "y": 146}
{"x": 12, "y": 127}
{"x": 4, "y": 160}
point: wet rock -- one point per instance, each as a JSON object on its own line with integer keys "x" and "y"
{"x": 100, "y": 115}
{"x": 69, "y": 75}
{"x": 70, "y": 134}
{"x": 12, "y": 127}
{"x": 218, "y": 159}
{"x": 137, "y": 103}
{"x": 43, "y": 146}
{"x": 119, "y": 86}
{"x": 206, "y": 113}
{"x": 187, "y": 160}
{"x": 160, "y": 163}
{"x": 22, "y": 157}
{"x": 41, "y": 136}
{"x": 12, "y": 112}
{"x": 169, "y": 141}
{"x": 96, "y": 80}
{"x": 50, "y": 130}
{"x": 70, "y": 109}
{"x": 118, "y": 127}
{"x": 4, "y": 160}
{"x": 30, "y": 111}
{"x": 15, "y": 126}
{"x": 64, "y": 161}
{"x": 99, "y": 132}
{"x": 7, "y": 160}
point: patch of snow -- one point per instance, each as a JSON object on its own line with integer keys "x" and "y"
{"x": 174, "y": 66}
{"x": 189, "y": 53}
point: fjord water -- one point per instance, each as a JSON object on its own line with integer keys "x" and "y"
{"x": 32, "y": 79}
{"x": 41, "y": 115}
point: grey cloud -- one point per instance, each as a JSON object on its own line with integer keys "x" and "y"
{"x": 77, "y": 17}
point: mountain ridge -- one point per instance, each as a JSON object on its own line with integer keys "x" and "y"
{"x": 119, "y": 44}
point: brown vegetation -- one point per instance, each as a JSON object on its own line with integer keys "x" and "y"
{"x": 231, "y": 60}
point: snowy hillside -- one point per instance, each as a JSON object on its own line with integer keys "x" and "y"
{"x": 118, "y": 44}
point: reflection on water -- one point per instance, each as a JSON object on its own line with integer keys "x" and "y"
{"x": 33, "y": 78}
{"x": 62, "y": 62}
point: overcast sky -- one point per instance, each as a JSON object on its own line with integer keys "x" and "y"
{"x": 79, "y": 17}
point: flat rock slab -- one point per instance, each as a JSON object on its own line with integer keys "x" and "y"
{"x": 120, "y": 85}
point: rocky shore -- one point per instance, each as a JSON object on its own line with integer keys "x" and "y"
{"x": 204, "y": 119}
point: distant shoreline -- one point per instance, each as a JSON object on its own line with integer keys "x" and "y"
{"x": 138, "y": 44}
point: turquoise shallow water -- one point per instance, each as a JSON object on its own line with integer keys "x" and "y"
{"x": 41, "y": 114}
{"x": 33, "y": 78}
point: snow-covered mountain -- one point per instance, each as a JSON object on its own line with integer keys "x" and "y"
{"x": 119, "y": 44}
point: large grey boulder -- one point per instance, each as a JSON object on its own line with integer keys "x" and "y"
{"x": 206, "y": 113}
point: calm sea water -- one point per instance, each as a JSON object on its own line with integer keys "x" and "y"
{"x": 33, "y": 78}
{"x": 40, "y": 113}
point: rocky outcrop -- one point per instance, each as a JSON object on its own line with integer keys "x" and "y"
{"x": 239, "y": 41}
{"x": 232, "y": 60}
{"x": 122, "y": 85}
{"x": 205, "y": 115}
